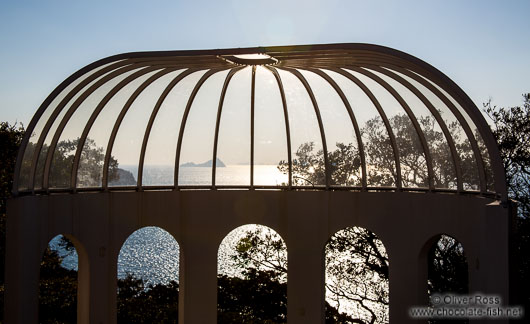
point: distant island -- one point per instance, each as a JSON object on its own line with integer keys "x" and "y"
{"x": 123, "y": 178}
{"x": 208, "y": 163}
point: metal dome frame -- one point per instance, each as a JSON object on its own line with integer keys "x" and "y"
{"x": 339, "y": 58}
{"x": 98, "y": 219}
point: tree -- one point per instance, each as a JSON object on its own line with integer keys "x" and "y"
{"x": 10, "y": 139}
{"x": 138, "y": 304}
{"x": 353, "y": 284}
{"x": 511, "y": 129}
{"x": 258, "y": 297}
{"x": 447, "y": 269}
{"x": 90, "y": 168}
{"x": 357, "y": 274}
{"x": 57, "y": 290}
{"x": 356, "y": 260}
{"x": 257, "y": 291}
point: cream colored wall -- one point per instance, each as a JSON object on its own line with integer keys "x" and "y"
{"x": 99, "y": 223}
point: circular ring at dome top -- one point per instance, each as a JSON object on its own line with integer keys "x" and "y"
{"x": 250, "y": 59}
{"x": 353, "y": 117}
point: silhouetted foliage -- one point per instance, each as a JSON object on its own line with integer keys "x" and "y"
{"x": 345, "y": 163}
{"x": 258, "y": 297}
{"x": 447, "y": 270}
{"x": 57, "y": 290}
{"x": 361, "y": 285}
{"x": 90, "y": 167}
{"x": 138, "y": 304}
{"x": 10, "y": 139}
{"x": 511, "y": 128}
{"x": 357, "y": 274}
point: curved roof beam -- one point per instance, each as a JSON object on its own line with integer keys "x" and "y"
{"x": 252, "y": 102}
{"x": 458, "y": 116}
{"x": 435, "y": 113}
{"x": 485, "y": 132}
{"x": 319, "y": 119}
{"x": 426, "y": 72}
{"x": 185, "y": 118}
{"x": 349, "y": 109}
{"x": 154, "y": 113}
{"x": 373, "y": 99}
{"x": 122, "y": 114}
{"x": 74, "y": 107}
{"x": 407, "y": 109}
{"x": 228, "y": 78}
{"x": 57, "y": 111}
{"x": 287, "y": 128}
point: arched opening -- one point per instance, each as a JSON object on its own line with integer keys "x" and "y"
{"x": 148, "y": 276}
{"x": 58, "y": 282}
{"x": 252, "y": 276}
{"x": 357, "y": 281}
{"x": 447, "y": 271}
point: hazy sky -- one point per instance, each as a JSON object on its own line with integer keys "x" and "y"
{"x": 482, "y": 45}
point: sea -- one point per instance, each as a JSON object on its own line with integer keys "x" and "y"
{"x": 151, "y": 253}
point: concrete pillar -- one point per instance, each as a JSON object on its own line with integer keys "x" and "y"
{"x": 488, "y": 263}
{"x": 405, "y": 287}
{"x": 305, "y": 288}
{"x": 198, "y": 283}
{"x": 83, "y": 287}
{"x": 23, "y": 256}
{"x": 97, "y": 261}
{"x": 307, "y": 234}
{"x": 97, "y": 287}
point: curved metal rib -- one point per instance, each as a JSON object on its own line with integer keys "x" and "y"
{"x": 407, "y": 109}
{"x": 423, "y": 72}
{"x": 342, "y": 96}
{"x": 122, "y": 114}
{"x": 287, "y": 129}
{"x": 95, "y": 114}
{"x": 252, "y": 97}
{"x": 185, "y": 118}
{"x": 319, "y": 119}
{"x": 452, "y": 89}
{"x": 459, "y": 117}
{"x": 154, "y": 113}
{"x": 73, "y": 108}
{"x": 57, "y": 111}
{"x": 218, "y": 120}
{"x": 436, "y": 115}
{"x": 373, "y": 99}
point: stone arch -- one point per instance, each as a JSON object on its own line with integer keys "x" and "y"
{"x": 447, "y": 265}
{"x": 347, "y": 271}
{"x": 260, "y": 260}
{"x": 148, "y": 263}
{"x": 73, "y": 287}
